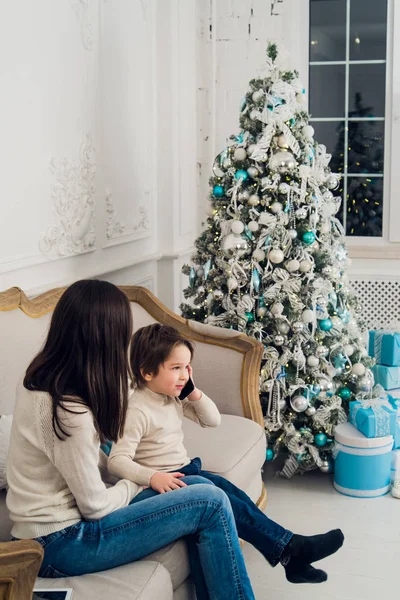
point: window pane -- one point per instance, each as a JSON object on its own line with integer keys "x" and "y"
{"x": 331, "y": 134}
{"x": 367, "y": 90}
{"x": 327, "y": 90}
{"x": 368, "y": 29}
{"x": 327, "y": 30}
{"x": 366, "y": 147}
{"x": 364, "y": 206}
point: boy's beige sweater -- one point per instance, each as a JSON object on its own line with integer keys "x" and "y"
{"x": 153, "y": 437}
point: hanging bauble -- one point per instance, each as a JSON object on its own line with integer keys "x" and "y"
{"x": 308, "y": 132}
{"x": 305, "y": 266}
{"x": 279, "y": 340}
{"x": 358, "y": 369}
{"x": 253, "y": 172}
{"x": 299, "y": 403}
{"x": 218, "y": 191}
{"x": 255, "y": 281}
{"x": 325, "y": 324}
{"x": 258, "y": 254}
{"x": 192, "y": 277}
{"x": 344, "y": 393}
{"x": 251, "y": 149}
{"x": 348, "y": 349}
{"x": 312, "y": 361}
{"x": 200, "y": 272}
{"x": 262, "y": 311}
{"x": 327, "y": 196}
{"x": 292, "y": 265}
{"x": 284, "y": 188}
{"x": 277, "y": 309}
{"x": 257, "y": 95}
{"x": 308, "y": 237}
{"x": 269, "y": 455}
{"x": 207, "y": 266}
{"x": 311, "y": 410}
{"x": 276, "y": 255}
{"x": 325, "y": 384}
{"x": 292, "y": 234}
{"x": 283, "y": 327}
{"x": 326, "y": 466}
{"x": 320, "y": 439}
{"x": 240, "y": 154}
{"x": 321, "y": 351}
{"x": 324, "y": 227}
{"x": 249, "y": 317}
{"x": 254, "y": 199}
{"x": 297, "y": 326}
{"x": 253, "y": 225}
{"x": 332, "y": 181}
{"x": 282, "y": 161}
{"x": 227, "y": 163}
{"x": 240, "y": 174}
{"x": 301, "y": 213}
{"x": 218, "y": 294}
{"x": 276, "y": 207}
{"x": 308, "y": 316}
{"x": 237, "y": 227}
{"x": 232, "y": 242}
{"x": 232, "y": 283}
{"x": 365, "y": 383}
{"x": 245, "y": 195}
{"x": 282, "y": 141}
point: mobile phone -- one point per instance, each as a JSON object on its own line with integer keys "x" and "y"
{"x": 188, "y": 389}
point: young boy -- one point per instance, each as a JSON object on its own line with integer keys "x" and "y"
{"x": 152, "y": 453}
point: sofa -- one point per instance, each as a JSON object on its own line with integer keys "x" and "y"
{"x": 226, "y": 366}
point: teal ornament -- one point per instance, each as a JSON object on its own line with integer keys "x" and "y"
{"x": 275, "y": 101}
{"x": 267, "y": 241}
{"x": 248, "y": 233}
{"x": 299, "y": 457}
{"x": 218, "y": 191}
{"x": 292, "y": 121}
{"x": 333, "y": 299}
{"x": 345, "y": 316}
{"x": 241, "y": 174}
{"x": 239, "y": 138}
{"x": 249, "y": 317}
{"x": 325, "y": 324}
{"x": 192, "y": 277}
{"x": 329, "y": 393}
{"x": 308, "y": 237}
{"x": 256, "y": 281}
{"x": 315, "y": 389}
{"x": 269, "y": 455}
{"x": 206, "y": 268}
{"x": 243, "y": 104}
{"x": 344, "y": 393}
{"x": 320, "y": 439}
{"x": 339, "y": 361}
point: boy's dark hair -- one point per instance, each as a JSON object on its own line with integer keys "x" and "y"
{"x": 151, "y": 346}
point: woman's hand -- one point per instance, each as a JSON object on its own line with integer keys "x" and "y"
{"x": 166, "y": 482}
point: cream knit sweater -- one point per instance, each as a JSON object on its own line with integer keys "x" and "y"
{"x": 52, "y": 483}
{"x": 153, "y": 437}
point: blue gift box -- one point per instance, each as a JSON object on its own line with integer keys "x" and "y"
{"x": 384, "y": 346}
{"x": 395, "y": 402}
{"x": 395, "y": 471}
{"x": 362, "y": 465}
{"x": 373, "y": 421}
{"x": 387, "y": 377}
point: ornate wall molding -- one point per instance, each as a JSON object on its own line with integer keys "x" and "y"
{"x": 81, "y": 9}
{"x": 73, "y": 228}
{"x": 118, "y": 232}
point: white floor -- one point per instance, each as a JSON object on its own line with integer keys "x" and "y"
{"x": 367, "y": 567}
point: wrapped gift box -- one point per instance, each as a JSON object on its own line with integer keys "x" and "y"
{"x": 362, "y": 465}
{"x": 395, "y": 402}
{"x": 374, "y": 418}
{"x": 384, "y": 346}
{"x": 387, "y": 377}
{"x": 395, "y": 470}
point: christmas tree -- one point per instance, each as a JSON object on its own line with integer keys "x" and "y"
{"x": 271, "y": 262}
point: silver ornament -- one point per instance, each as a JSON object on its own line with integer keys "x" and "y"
{"x": 261, "y": 312}
{"x": 282, "y": 161}
{"x": 327, "y": 271}
{"x": 325, "y": 466}
{"x": 284, "y": 188}
{"x": 324, "y": 384}
{"x": 299, "y": 403}
{"x": 253, "y": 200}
{"x": 283, "y": 327}
{"x": 301, "y": 213}
{"x": 327, "y": 196}
{"x": 245, "y": 195}
{"x": 282, "y": 404}
{"x": 292, "y": 234}
{"x": 321, "y": 351}
{"x": 365, "y": 384}
{"x": 279, "y": 340}
{"x": 227, "y": 163}
{"x": 277, "y": 308}
{"x": 311, "y": 410}
{"x": 218, "y": 294}
{"x": 332, "y": 182}
{"x": 231, "y": 243}
{"x": 297, "y": 326}
{"x": 253, "y": 171}
{"x": 312, "y": 361}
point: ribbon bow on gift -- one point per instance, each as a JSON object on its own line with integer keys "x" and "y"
{"x": 382, "y": 417}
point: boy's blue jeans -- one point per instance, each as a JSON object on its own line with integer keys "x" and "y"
{"x": 200, "y": 513}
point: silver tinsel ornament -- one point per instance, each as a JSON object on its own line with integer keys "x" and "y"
{"x": 279, "y": 340}
{"x": 233, "y": 242}
{"x": 282, "y": 161}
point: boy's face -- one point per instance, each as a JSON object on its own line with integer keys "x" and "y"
{"x": 172, "y": 374}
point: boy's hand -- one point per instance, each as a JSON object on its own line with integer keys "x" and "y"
{"x": 196, "y": 394}
{"x": 166, "y": 482}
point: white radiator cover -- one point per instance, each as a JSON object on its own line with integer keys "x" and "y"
{"x": 380, "y": 299}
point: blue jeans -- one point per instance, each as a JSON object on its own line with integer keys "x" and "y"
{"x": 201, "y": 513}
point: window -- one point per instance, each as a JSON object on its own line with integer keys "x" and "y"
{"x": 348, "y": 40}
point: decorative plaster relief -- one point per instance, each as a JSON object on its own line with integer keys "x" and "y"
{"x": 117, "y": 232}
{"x": 73, "y": 229}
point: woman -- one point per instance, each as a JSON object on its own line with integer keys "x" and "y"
{"x": 73, "y": 397}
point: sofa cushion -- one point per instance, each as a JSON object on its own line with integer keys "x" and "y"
{"x": 235, "y": 449}
{"x": 144, "y": 580}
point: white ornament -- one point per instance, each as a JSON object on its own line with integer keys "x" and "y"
{"x": 311, "y": 410}
{"x": 252, "y": 171}
{"x": 301, "y": 213}
{"x": 308, "y": 132}
{"x": 282, "y": 141}
{"x": 237, "y": 227}
{"x": 312, "y": 361}
{"x": 261, "y": 311}
{"x": 254, "y": 200}
{"x": 300, "y": 98}
{"x": 276, "y": 255}
{"x": 258, "y": 254}
{"x": 308, "y": 316}
{"x": 321, "y": 351}
{"x": 305, "y": 266}
{"x": 240, "y": 154}
{"x": 276, "y": 207}
{"x": 348, "y": 349}
{"x": 253, "y": 225}
{"x": 358, "y": 369}
{"x": 277, "y": 308}
{"x": 284, "y": 188}
{"x": 292, "y": 265}
{"x": 292, "y": 234}
{"x": 251, "y": 149}
{"x": 299, "y": 403}
{"x": 257, "y": 95}
{"x": 283, "y": 327}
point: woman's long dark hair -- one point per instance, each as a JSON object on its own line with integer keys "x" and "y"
{"x": 85, "y": 356}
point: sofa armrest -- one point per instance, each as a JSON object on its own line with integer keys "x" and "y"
{"x": 19, "y": 565}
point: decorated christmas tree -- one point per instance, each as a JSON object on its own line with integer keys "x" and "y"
{"x": 271, "y": 262}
